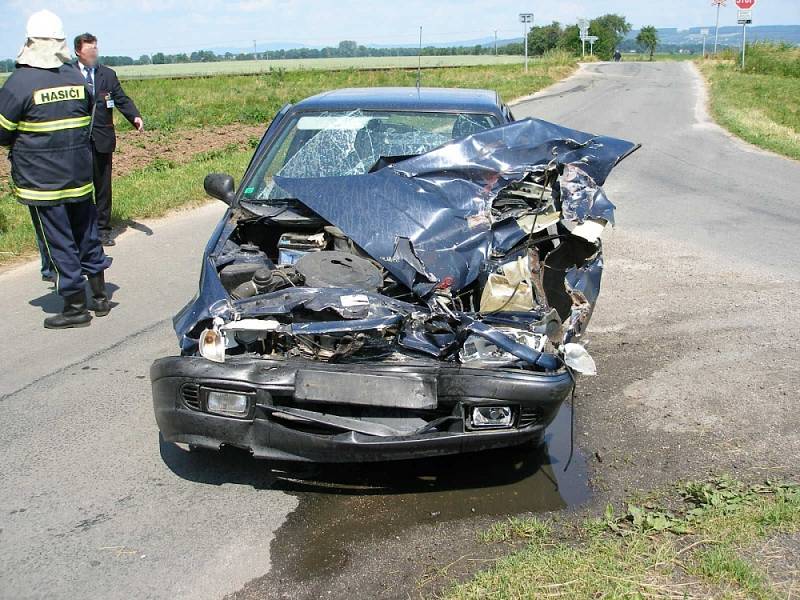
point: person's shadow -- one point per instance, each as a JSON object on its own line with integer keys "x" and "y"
{"x": 121, "y": 227}
{"x": 51, "y": 303}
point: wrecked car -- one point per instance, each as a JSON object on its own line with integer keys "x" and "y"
{"x": 402, "y": 272}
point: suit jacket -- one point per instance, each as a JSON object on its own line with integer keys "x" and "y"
{"x": 103, "y": 135}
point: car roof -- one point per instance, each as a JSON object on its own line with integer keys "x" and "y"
{"x": 423, "y": 99}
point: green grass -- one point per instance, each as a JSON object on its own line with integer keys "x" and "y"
{"x": 173, "y": 104}
{"x": 759, "y": 105}
{"x": 150, "y": 192}
{"x": 696, "y": 550}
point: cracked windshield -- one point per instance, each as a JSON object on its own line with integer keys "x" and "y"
{"x": 334, "y": 144}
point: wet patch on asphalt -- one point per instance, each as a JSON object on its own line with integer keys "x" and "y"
{"x": 347, "y": 506}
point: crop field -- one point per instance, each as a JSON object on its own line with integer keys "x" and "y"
{"x": 252, "y": 67}
{"x": 244, "y": 67}
{"x": 204, "y": 124}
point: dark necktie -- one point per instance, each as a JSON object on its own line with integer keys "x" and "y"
{"x": 90, "y": 80}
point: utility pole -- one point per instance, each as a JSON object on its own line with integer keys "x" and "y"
{"x": 717, "y": 3}
{"x": 255, "y": 51}
{"x": 527, "y": 22}
{"x": 744, "y": 41}
{"x": 419, "y": 60}
{"x": 495, "y": 42}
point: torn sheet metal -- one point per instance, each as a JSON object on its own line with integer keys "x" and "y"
{"x": 441, "y": 201}
{"x": 516, "y": 210}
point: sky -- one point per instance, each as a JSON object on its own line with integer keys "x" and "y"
{"x": 136, "y": 27}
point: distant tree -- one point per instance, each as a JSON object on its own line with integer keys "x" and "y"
{"x": 648, "y": 39}
{"x": 570, "y": 39}
{"x": 346, "y": 48}
{"x": 144, "y": 59}
{"x": 610, "y": 31}
{"x": 159, "y": 58}
{"x": 116, "y": 61}
{"x": 544, "y": 38}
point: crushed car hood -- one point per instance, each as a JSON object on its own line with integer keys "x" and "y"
{"x": 428, "y": 219}
{"x": 508, "y": 218}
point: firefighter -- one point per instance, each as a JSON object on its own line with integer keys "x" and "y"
{"x": 45, "y": 119}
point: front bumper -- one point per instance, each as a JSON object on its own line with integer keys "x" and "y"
{"x": 535, "y": 398}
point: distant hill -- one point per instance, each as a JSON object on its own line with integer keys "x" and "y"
{"x": 728, "y": 36}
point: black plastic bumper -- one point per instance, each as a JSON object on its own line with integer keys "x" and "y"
{"x": 535, "y": 397}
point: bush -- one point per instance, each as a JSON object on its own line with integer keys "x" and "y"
{"x": 773, "y": 59}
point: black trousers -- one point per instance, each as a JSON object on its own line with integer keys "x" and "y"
{"x": 69, "y": 233}
{"x": 102, "y": 190}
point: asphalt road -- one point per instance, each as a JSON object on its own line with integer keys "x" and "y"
{"x": 694, "y": 336}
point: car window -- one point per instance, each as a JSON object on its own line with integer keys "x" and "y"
{"x": 335, "y": 144}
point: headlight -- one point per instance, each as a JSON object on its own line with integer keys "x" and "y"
{"x": 228, "y": 404}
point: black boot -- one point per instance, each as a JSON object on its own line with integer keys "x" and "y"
{"x": 99, "y": 304}
{"x": 73, "y": 315}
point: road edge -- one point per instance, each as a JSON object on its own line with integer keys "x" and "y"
{"x": 547, "y": 90}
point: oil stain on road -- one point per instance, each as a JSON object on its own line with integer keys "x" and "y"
{"x": 344, "y": 506}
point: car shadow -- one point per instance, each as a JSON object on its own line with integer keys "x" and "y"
{"x": 486, "y": 469}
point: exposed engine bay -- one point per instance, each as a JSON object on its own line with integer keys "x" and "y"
{"x": 485, "y": 252}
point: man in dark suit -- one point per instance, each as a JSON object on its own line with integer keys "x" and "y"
{"x": 106, "y": 94}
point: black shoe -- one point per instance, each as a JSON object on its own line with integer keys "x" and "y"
{"x": 73, "y": 315}
{"x": 99, "y": 304}
{"x": 107, "y": 240}
{"x": 49, "y": 278}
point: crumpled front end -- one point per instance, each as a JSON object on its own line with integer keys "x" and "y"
{"x": 479, "y": 261}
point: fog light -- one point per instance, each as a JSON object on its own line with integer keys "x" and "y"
{"x": 492, "y": 417}
{"x": 228, "y": 404}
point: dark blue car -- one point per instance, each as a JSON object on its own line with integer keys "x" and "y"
{"x": 402, "y": 272}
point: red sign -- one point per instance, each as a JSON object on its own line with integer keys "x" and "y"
{"x": 745, "y": 4}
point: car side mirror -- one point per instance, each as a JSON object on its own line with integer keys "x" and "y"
{"x": 221, "y": 187}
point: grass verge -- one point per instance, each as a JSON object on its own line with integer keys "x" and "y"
{"x": 697, "y": 549}
{"x": 759, "y": 104}
{"x": 149, "y": 192}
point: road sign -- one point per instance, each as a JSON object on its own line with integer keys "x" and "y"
{"x": 527, "y": 20}
{"x": 745, "y": 4}
{"x": 704, "y": 32}
{"x": 744, "y": 17}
